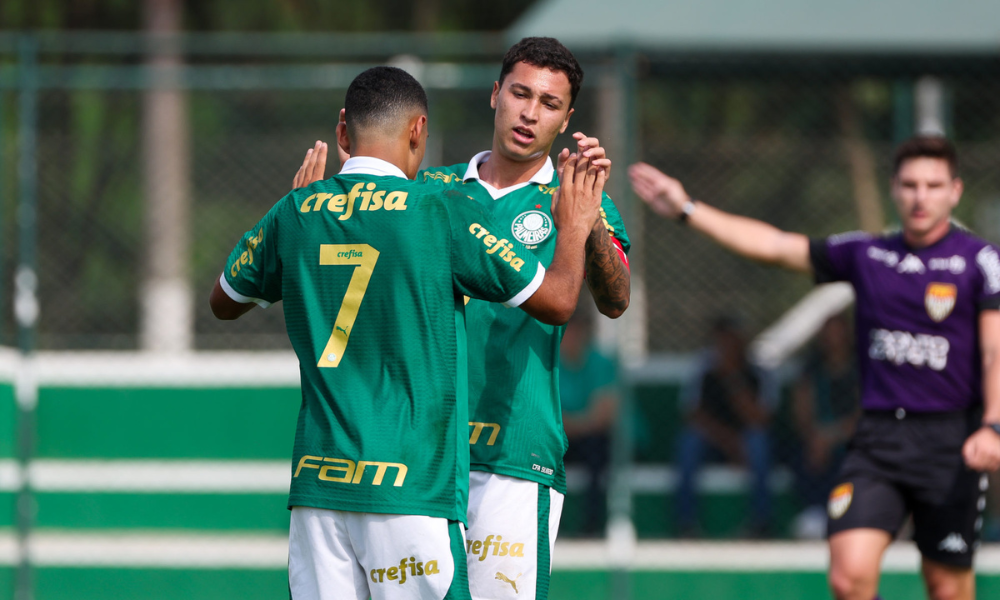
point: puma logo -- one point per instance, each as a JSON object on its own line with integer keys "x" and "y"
{"x": 513, "y": 583}
{"x": 339, "y": 328}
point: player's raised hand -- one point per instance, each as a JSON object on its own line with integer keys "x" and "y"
{"x": 664, "y": 194}
{"x": 313, "y": 166}
{"x": 981, "y": 450}
{"x": 577, "y": 202}
{"x": 588, "y": 147}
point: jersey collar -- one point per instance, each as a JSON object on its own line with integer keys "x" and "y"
{"x": 543, "y": 176}
{"x": 369, "y": 165}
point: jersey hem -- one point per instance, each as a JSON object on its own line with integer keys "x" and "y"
{"x": 238, "y": 297}
{"x": 367, "y": 507}
{"x": 556, "y": 483}
{"x": 529, "y": 290}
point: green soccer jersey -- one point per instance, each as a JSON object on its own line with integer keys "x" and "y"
{"x": 372, "y": 270}
{"x": 515, "y": 420}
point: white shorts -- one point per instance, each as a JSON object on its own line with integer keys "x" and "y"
{"x": 335, "y": 555}
{"x": 512, "y": 530}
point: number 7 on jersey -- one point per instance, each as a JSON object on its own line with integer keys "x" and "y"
{"x": 363, "y": 257}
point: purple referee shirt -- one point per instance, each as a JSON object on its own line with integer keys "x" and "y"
{"x": 916, "y": 315}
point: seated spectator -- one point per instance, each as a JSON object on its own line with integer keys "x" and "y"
{"x": 726, "y": 417}
{"x": 825, "y": 407}
{"x": 589, "y": 393}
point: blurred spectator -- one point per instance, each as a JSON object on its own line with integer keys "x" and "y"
{"x": 589, "y": 392}
{"x": 825, "y": 406}
{"x": 726, "y": 418}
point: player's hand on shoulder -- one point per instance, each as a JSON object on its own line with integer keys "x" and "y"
{"x": 982, "y": 450}
{"x": 577, "y": 202}
{"x": 313, "y": 166}
{"x": 664, "y": 194}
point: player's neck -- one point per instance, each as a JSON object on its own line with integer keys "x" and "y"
{"x": 501, "y": 172}
{"x": 394, "y": 154}
{"x": 918, "y": 240}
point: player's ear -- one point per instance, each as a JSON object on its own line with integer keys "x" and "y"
{"x": 418, "y": 131}
{"x": 495, "y": 95}
{"x": 566, "y": 121}
{"x": 957, "y": 188}
{"x": 343, "y": 136}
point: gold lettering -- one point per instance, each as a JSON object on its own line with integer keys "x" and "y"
{"x": 320, "y": 199}
{"x": 476, "y": 546}
{"x": 474, "y": 227}
{"x": 396, "y": 201}
{"x": 373, "y": 576}
{"x": 376, "y": 201}
{"x": 420, "y": 568}
{"x": 489, "y": 241}
{"x": 392, "y": 574}
{"x": 243, "y": 258}
{"x": 517, "y": 550}
{"x": 380, "y": 470}
{"x": 236, "y": 269}
{"x": 431, "y": 568}
{"x": 305, "y": 203}
{"x": 304, "y": 463}
{"x": 381, "y": 572}
{"x": 350, "y": 211}
{"x": 481, "y": 233}
{"x": 503, "y": 548}
{"x": 355, "y": 192}
{"x": 477, "y": 429}
{"x": 340, "y": 464}
{"x": 336, "y": 204}
{"x": 517, "y": 263}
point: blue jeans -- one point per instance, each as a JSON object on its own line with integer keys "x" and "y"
{"x": 692, "y": 447}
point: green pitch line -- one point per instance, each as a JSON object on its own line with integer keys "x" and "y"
{"x": 190, "y": 584}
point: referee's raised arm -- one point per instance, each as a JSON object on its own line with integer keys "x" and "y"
{"x": 747, "y": 237}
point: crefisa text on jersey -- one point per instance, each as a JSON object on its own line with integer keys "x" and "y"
{"x": 371, "y": 199}
{"x": 505, "y": 247}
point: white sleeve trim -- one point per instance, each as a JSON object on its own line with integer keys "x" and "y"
{"x": 530, "y": 289}
{"x": 238, "y": 297}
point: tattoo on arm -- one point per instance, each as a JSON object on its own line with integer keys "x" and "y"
{"x": 607, "y": 276}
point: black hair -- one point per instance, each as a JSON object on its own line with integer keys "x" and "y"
{"x": 926, "y": 146}
{"x": 547, "y": 53}
{"x": 381, "y": 96}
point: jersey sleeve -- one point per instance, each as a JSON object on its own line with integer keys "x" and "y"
{"x": 988, "y": 262}
{"x": 486, "y": 264}
{"x": 253, "y": 271}
{"x": 616, "y": 227}
{"x": 833, "y": 258}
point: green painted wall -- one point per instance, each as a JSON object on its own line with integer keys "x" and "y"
{"x": 8, "y": 421}
{"x": 174, "y": 423}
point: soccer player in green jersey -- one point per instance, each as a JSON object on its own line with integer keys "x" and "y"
{"x": 372, "y": 269}
{"x": 517, "y": 442}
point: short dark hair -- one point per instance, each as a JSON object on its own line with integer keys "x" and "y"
{"x": 382, "y": 95}
{"x": 547, "y": 53}
{"x": 926, "y": 146}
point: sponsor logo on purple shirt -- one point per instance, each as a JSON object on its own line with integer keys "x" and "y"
{"x": 916, "y": 316}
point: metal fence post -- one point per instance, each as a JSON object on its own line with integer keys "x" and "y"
{"x": 26, "y": 301}
{"x": 621, "y": 529}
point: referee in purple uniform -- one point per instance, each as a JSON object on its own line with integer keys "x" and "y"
{"x": 928, "y": 333}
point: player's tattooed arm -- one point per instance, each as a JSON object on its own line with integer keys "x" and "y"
{"x": 607, "y": 276}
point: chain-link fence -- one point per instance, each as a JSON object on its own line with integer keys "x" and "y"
{"x": 802, "y": 144}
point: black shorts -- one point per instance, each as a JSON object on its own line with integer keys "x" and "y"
{"x": 911, "y": 463}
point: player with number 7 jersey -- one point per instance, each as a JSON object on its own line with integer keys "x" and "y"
{"x": 359, "y": 259}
